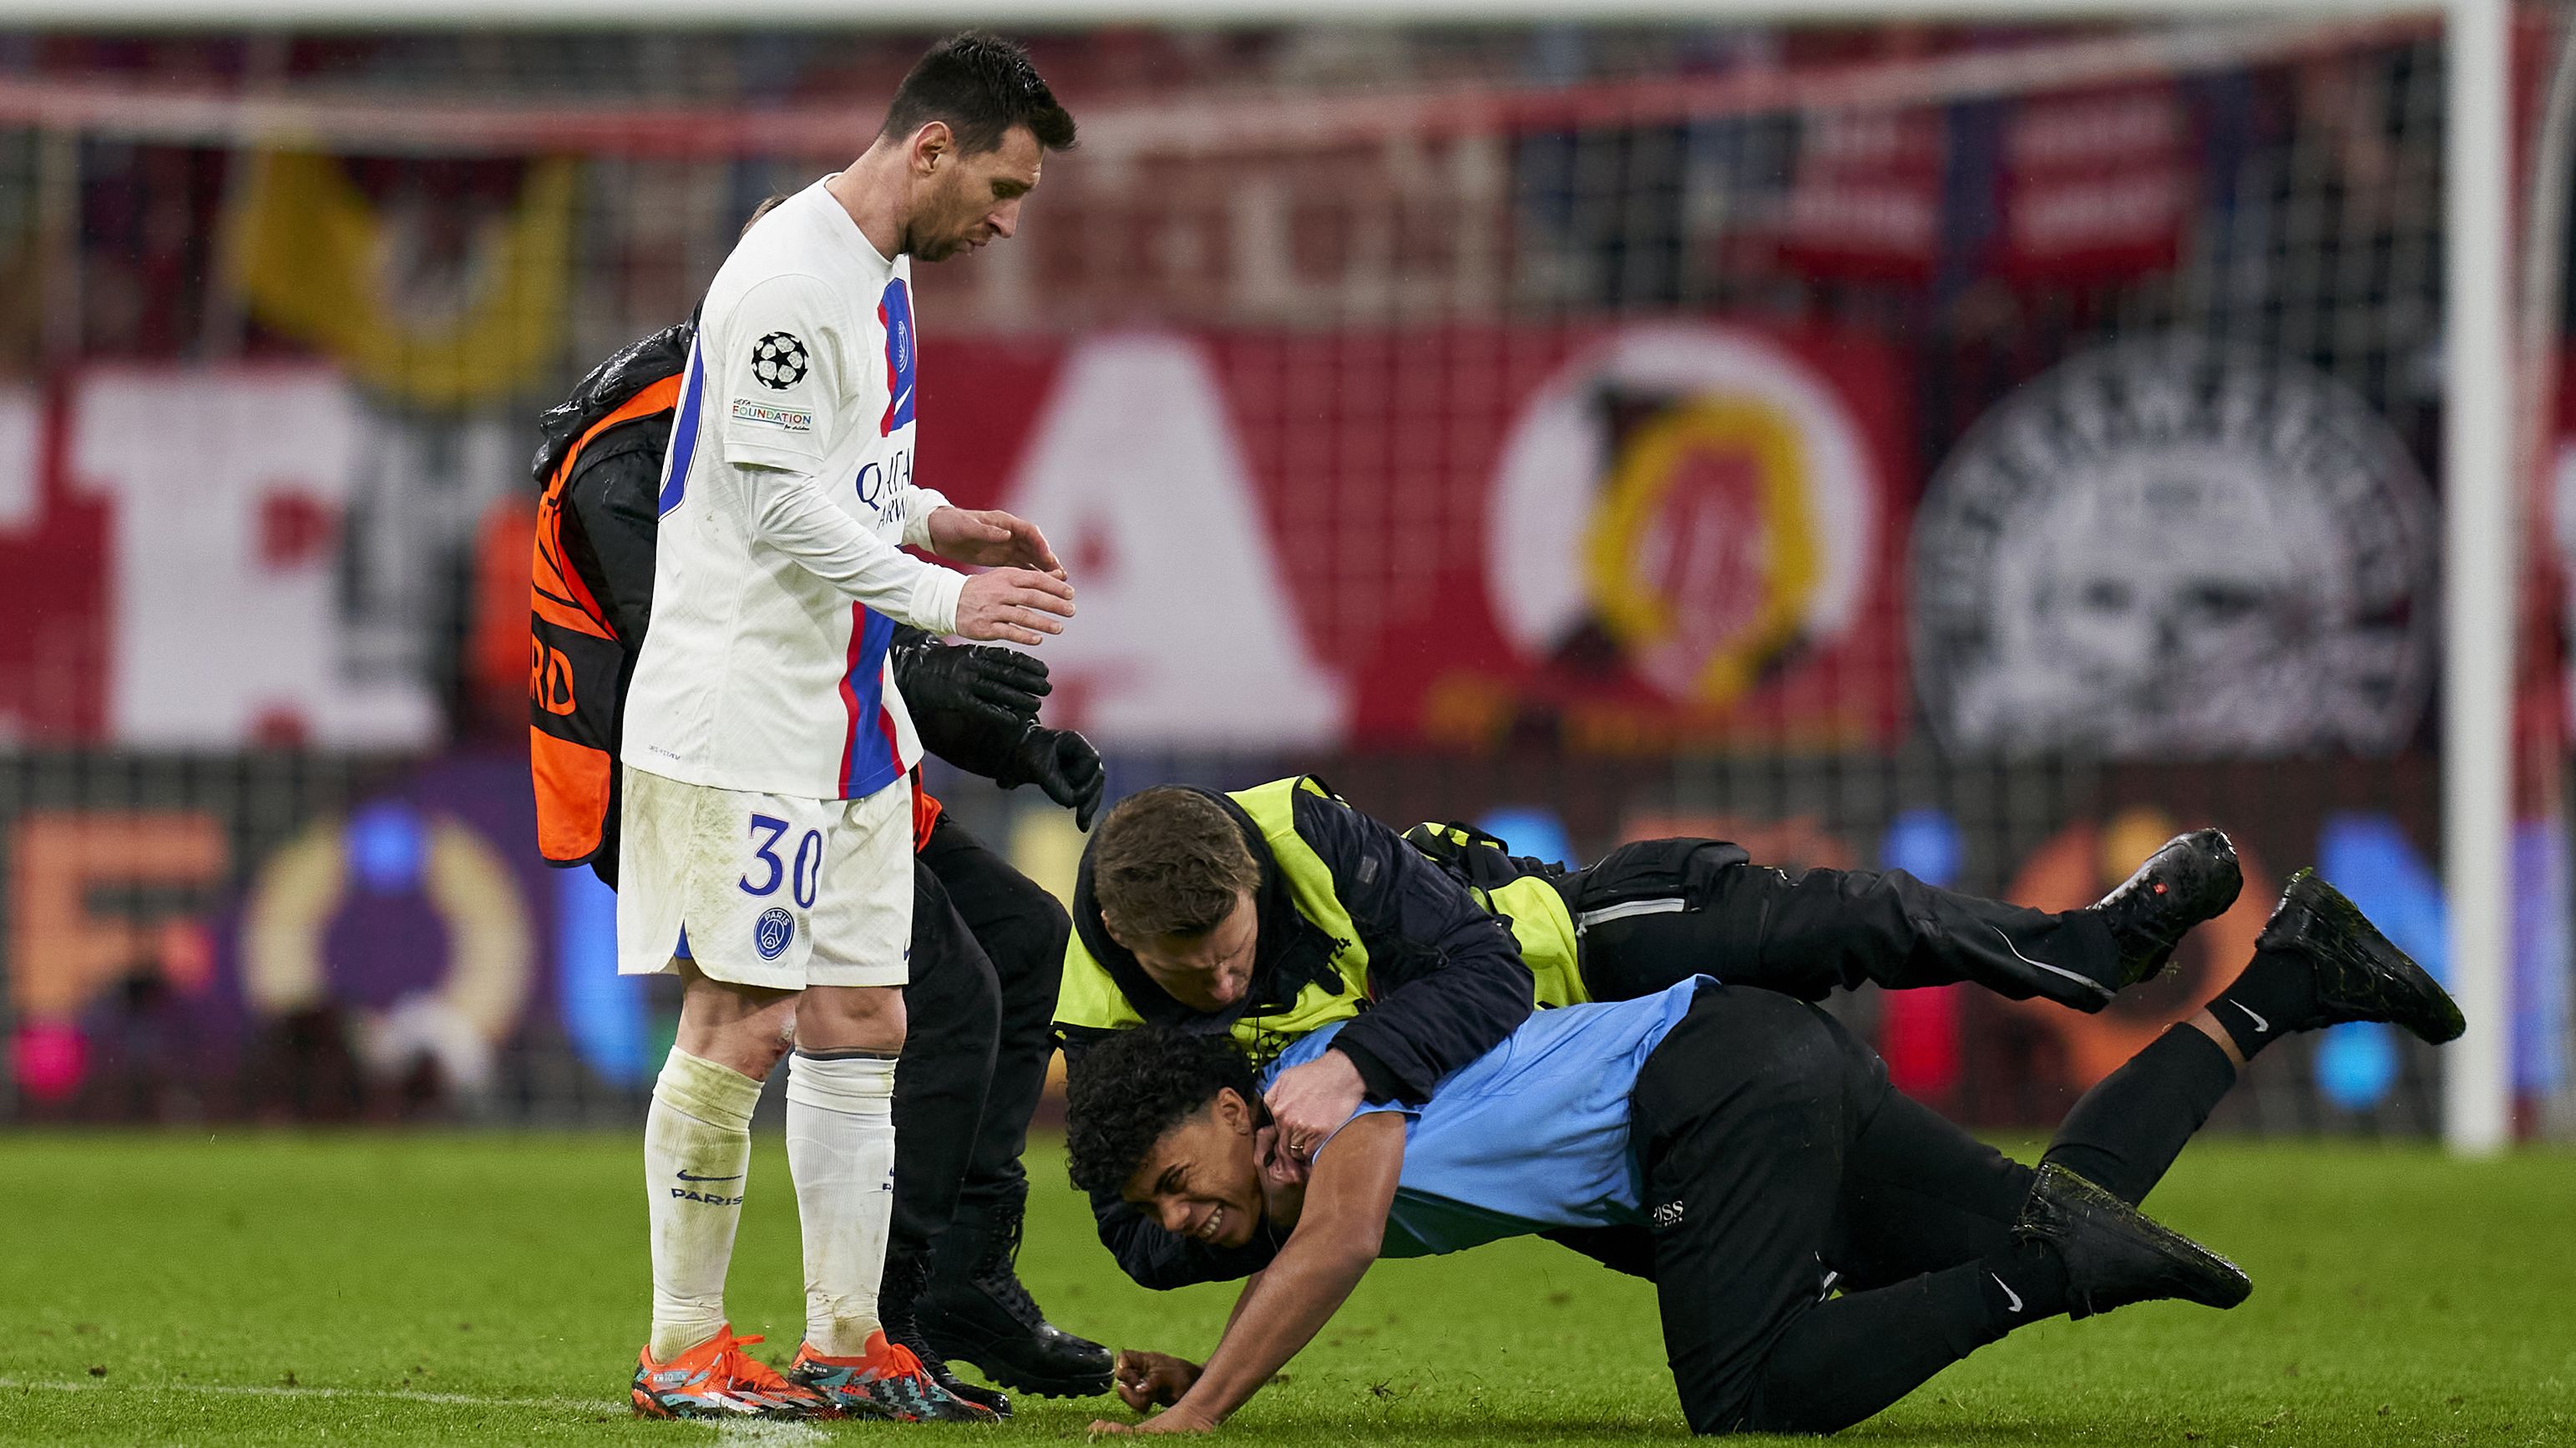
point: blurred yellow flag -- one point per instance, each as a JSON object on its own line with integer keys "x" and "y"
{"x": 315, "y": 259}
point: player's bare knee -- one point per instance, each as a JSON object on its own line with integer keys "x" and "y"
{"x": 847, "y": 1018}
{"x": 741, "y": 1028}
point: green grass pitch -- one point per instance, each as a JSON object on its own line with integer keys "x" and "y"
{"x": 273, "y": 1288}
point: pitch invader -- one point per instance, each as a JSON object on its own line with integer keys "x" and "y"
{"x": 766, "y": 827}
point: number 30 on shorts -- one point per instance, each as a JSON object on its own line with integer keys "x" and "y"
{"x": 802, "y": 878}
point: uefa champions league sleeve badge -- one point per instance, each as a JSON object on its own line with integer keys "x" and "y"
{"x": 778, "y": 360}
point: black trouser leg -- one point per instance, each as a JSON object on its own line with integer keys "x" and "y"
{"x": 1022, "y": 931}
{"x": 1755, "y": 1089}
{"x": 1748, "y": 1119}
{"x": 1752, "y": 925}
{"x": 2129, "y": 1128}
{"x": 1920, "y": 1195}
{"x": 950, "y": 1007}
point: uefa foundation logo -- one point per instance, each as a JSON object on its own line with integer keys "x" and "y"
{"x": 771, "y": 932}
{"x": 2176, "y": 546}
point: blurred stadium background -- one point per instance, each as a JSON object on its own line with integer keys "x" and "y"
{"x": 1981, "y": 449}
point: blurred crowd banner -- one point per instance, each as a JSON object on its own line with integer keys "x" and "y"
{"x": 1628, "y": 539}
{"x": 1979, "y": 451}
{"x": 376, "y": 940}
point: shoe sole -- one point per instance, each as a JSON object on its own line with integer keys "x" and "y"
{"x": 1009, "y": 1377}
{"x": 2411, "y": 998}
{"x": 648, "y": 1407}
{"x": 1011, "y": 1380}
{"x": 1047, "y": 1387}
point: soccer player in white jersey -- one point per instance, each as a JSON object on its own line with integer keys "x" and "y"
{"x": 767, "y": 826}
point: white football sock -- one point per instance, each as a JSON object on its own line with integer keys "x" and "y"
{"x": 840, "y": 1150}
{"x": 697, "y": 1153}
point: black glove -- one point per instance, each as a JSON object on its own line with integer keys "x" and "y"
{"x": 971, "y": 682}
{"x": 1060, "y": 762}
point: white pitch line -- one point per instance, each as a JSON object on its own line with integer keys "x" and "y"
{"x": 750, "y": 1431}
{"x": 763, "y": 1431}
{"x": 398, "y": 1395}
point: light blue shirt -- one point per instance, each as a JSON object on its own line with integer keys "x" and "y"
{"x": 1530, "y": 1136}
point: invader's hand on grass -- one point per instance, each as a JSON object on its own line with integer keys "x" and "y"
{"x": 1152, "y": 1379}
{"x": 1171, "y": 1420}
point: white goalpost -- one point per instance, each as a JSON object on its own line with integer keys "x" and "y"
{"x": 2480, "y": 570}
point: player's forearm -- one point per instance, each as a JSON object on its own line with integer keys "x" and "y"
{"x": 1241, "y": 1299}
{"x": 918, "y": 504}
{"x": 1280, "y": 1311}
{"x": 791, "y": 514}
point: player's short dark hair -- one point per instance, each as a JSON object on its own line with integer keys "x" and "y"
{"x": 982, "y": 86}
{"x": 1135, "y": 1086}
{"x": 1169, "y": 861}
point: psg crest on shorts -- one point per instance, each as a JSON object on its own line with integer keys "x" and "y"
{"x": 771, "y": 932}
{"x": 778, "y": 360}
{"x": 2176, "y": 545}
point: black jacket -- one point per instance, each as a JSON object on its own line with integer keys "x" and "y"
{"x": 1446, "y": 985}
{"x": 612, "y": 515}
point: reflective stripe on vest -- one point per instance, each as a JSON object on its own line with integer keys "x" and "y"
{"x": 572, "y": 669}
{"x": 1541, "y": 921}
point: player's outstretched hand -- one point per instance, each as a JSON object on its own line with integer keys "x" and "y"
{"x": 990, "y": 538}
{"x": 1152, "y": 1379}
{"x": 1013, "y": 606}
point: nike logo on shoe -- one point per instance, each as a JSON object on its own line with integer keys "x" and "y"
{"x": 684, "y": 1176}
{"x": 2010, "y": 1296}
{"x": 2261, "y": 1026}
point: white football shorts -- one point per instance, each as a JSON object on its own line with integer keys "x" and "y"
{"x": 765, "y": 890}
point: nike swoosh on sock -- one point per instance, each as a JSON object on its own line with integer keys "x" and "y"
{"x": 2260, "y": 1025}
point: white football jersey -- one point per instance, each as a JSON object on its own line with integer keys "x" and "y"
{"x": 777, "y": 578}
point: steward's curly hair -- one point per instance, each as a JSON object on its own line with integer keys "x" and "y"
{"x": 1135, "y": 1086}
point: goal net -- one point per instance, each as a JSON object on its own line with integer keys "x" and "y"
{"x": 1982, "y": 451}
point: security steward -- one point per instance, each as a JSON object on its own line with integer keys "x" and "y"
{"x": 1271, "y": 912}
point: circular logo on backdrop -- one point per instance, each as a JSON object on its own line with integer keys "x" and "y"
{"x": 778, "y": 360}
{"x": 771, "y": 932}
{"x": 2176, "y": 546}
{"x": 1697, "y": 494}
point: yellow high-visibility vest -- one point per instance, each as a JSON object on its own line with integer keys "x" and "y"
{"x": 1091, "y": 999}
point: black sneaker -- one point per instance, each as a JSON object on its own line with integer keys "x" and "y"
{"x": 898, "y": 1305}
{"x": 976, "y": 1311}
{"x": 2194, "y": 878}
{"x": 2360, "y": 976}
{"x": 2115, "y": 1255}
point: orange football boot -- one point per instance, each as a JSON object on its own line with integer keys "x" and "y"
{"x": 717, "y": 1379}
{"x": 886, "y": 1381}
